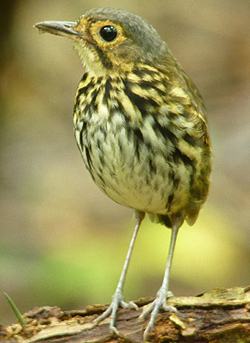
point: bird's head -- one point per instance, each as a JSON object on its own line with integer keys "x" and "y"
{"x": 110, "y": 40}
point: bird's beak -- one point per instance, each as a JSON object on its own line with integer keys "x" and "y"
{"x": 63, "y": 28}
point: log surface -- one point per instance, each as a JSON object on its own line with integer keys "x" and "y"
{"x": 219, "y": 316}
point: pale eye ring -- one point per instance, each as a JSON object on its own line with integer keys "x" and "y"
{"x": 108, "y": 33}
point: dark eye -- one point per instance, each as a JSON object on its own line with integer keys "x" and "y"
{"x": 108, "y": 33}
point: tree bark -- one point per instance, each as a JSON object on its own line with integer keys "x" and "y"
{"x": 219, "y": 316}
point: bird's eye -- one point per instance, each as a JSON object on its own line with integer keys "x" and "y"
{"x": 108, "y": 33}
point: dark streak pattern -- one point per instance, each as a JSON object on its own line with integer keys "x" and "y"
{"x": 166, "y": 130}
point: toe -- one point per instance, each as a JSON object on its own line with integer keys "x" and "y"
{"x": 113, "y": 330}
{"x": 104, "y": 315}
{"x": 169, "y": 308}
{"x": 133, "y": 305}
{"x": 170, "y": 294}
{"x": 148, "y": 310}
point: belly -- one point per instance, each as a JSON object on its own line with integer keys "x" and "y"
{"x": 133, "y": 171}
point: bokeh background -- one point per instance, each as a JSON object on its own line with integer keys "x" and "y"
{"x": 62, "y": 241}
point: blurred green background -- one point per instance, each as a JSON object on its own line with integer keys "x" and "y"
{"x": 62, "y": 241}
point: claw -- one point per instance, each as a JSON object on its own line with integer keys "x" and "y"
{"x": 133, "y": 305}
{"x": 129, "y": 305}
{"x": 114, "y": 330}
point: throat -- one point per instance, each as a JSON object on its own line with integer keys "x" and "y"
{"x": 91, "y": 61}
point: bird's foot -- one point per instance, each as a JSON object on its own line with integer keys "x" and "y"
{"x": 117, "y": 301}
{"x": 160, "y": 303}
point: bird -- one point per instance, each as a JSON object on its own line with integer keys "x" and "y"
{"x": 141, "y": 127}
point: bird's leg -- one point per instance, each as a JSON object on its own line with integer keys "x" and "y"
{"x": 118, "y": 298}
{"x": 160, "y": 301}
